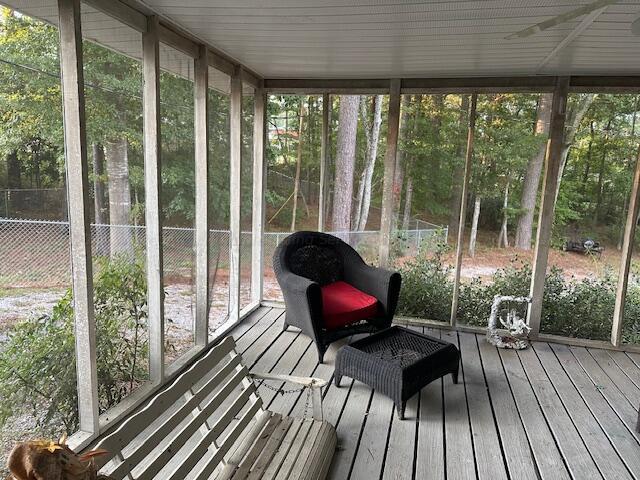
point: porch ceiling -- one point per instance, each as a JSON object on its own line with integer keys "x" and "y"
{"x": 383, "y": 38}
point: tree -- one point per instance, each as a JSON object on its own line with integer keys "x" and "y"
{"x": 120, "y": 239}
{"x": 372, "y": 133}
{"x": 99, "y": 197}
{"x": 345, "y": 163}
{"x": 457, "y": 173}
{"x": 296, "y": 182}
{"x": 529, "y": 194}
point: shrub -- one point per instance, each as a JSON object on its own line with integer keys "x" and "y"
{"x": 426, "y": 288}
{"x": 571, "y": 307}
{"x": 37, "y": 364}
{"x": 476, "y": 297}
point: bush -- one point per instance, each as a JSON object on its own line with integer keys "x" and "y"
{"x": 476, "y": 297}
{"x": 426, "y": 288}
{"x": 571, "y": 307}
{"x": 37, "y": 364}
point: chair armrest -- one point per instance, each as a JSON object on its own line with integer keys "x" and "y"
{"x": 315, "y": 384}
{"x": 378, "y": 282}
{"x": 295, "y": 283}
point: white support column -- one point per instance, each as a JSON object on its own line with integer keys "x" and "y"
{"x": 463, "y": 207}
{"x": 627, "y": 250}
{"x": 324, "y": 156}
{"x": 77, "y": 170}
{"x": 389, "y": 172}
{"x": 235, "y": 141}
{"x": 259, "y": 172}
{"x": 152, "y": 188}
{"x": 547, "y": 206}
{"x": 201, "y": 125}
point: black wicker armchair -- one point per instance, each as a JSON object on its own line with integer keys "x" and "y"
{"x": 329, "y": 291}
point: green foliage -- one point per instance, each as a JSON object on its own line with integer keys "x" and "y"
{"x": 37, "y": 363}
{"x": 426, "y": 288}
{"x": 571, "y": 307}
{"x": 476, "y": 297}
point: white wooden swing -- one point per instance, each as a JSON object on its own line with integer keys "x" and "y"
{"x": 209, "y": 423}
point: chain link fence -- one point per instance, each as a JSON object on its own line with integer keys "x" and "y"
{"x": 35, "y": 253}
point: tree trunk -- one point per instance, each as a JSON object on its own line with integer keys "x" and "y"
{"x": 364, "y": 189}
{"x": 503, "y": 239}
{"x": 14, "y": 177}
{"x": 398, "y": 178}
{"x": 345, "y": 163}
{"x": 407, "y": 204}
{"x": 99, "y": 199}
{"x": 474, "y": 227}
{"x": 574, "y": 119}
{"x": 296, "y": 183}
{"x": 117, "y": 159}
{"x": 524, "y": 231}
{"x": 600, "y": 192}
{"x": 455, "y": 195}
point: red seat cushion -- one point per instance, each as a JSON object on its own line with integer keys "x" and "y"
{"x": 343, "y": 304}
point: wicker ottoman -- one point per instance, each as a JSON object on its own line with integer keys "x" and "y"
{"x": 397, "y": 362}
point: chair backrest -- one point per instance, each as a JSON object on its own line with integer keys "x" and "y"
{"x": 190, "y": 425}
{"x": 313, "y": 255}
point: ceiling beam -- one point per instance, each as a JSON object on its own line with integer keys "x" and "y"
{"x": 605, "y": 84}
{"x": 522, "y": 84}
{"x": 479, "y": 84}
{"x": 134, "y": 14}
{"x": 327, "y": 85}
{"x": 124, "y": 13}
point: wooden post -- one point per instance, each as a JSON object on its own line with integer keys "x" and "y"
{"x": 463, "y": 206}
{"x": 75, "y": 147}
{"x": 627, "y": 250}
{"x": 234, "y": 195}
{"x": 201, "y": 124}
{"x": 389, "y": 171}
{"x": 259, "y": 172}
{"x": 547, "y": 206}
{"x": 324, "y": 155}
{"x": 152, "y": 188}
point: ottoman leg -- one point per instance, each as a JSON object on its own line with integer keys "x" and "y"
{"x": 400, "y": 410}
{"x": 454, "y": 375}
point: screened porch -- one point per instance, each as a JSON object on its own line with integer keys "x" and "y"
{"x": 192, "y": 138}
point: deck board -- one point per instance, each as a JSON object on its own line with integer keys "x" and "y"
{"x": 488, "y": 451}
{"x": 457, "y": 427}
{"x": 430, "y": 458}
{"x": 609, "y": 463}
{"x": 551, "y": 411}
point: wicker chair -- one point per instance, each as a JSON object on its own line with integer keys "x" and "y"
{"x": 329, "y": 291}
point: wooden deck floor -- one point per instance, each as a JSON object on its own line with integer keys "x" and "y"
{"x": 550, "y": 412}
